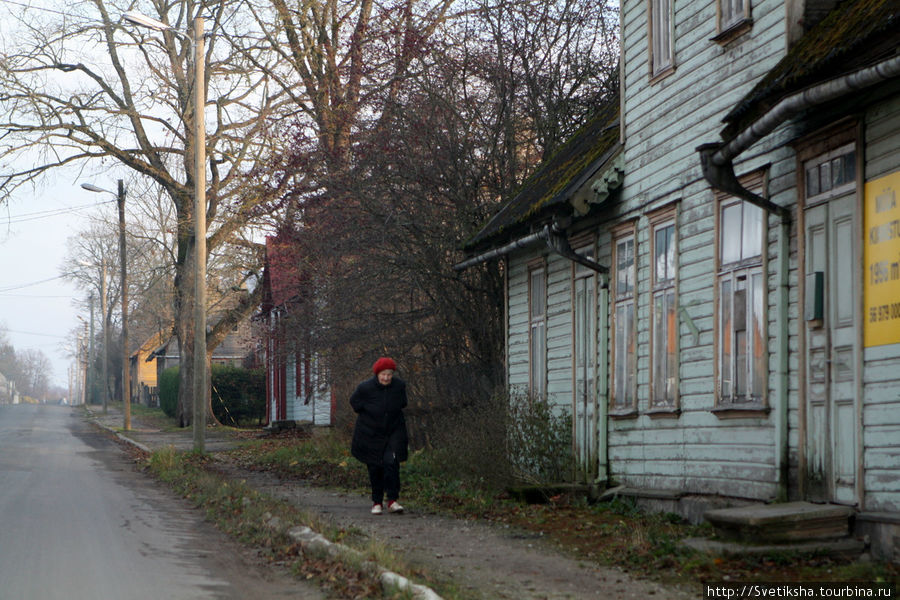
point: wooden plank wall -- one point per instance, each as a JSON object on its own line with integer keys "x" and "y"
{"x": 881, "y": 367}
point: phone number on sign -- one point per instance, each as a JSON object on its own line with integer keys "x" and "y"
{"x": 797, "y": 590}
{"x": 885, "y": 312}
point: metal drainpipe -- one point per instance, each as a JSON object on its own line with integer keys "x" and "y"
{"x": 782, "y": 450}
{"x": 601, "y": 409}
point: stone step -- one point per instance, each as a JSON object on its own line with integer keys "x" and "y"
{"x": 788, "y": 522}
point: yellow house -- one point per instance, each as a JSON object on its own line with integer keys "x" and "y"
{"x": 143, "y": 372}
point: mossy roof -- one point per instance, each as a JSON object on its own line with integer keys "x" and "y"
{"x": 855, "y": 34}
{"x": 547, "y": 189}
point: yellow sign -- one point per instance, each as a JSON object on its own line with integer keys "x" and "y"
{"x": 882, "y": 261}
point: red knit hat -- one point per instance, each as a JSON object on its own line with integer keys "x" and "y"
{"x": 384, "y": 363}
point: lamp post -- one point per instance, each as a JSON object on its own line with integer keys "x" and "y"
{"x": 126, "y": 383}
{"x": 201, "y": 375}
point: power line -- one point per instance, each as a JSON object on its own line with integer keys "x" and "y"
{"x": 44, "y": 214}
{"x": 25, "y": 285}
{"x": 53, "y": 335}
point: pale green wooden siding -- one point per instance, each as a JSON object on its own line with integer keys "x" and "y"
{"x": 559, "y": 332}
{"x": 881, "y": 371}
{"x": 696, "y": 451}
{"x": 517, "y": 367}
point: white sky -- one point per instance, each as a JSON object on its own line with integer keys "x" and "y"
{"x": 37, "y": 306}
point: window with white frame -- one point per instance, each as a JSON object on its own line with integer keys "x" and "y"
{"x": 741, "y": 305}
{"x": 664, "y": 343}
{"x": 661, "y": 49}
{"x": 537, "y": 331}
{"x": 733, "y": 13}
{"x": 624, "y": 307}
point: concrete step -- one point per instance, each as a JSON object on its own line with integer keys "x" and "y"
{"x": 789, "y": 522}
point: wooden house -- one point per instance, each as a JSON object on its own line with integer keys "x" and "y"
{"x": 714, "y": 293}
{"x": 297, "y": 387}
{"x": 143, "y": 375}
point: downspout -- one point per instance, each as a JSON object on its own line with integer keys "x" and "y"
{"x": 718, "y": 169}
{"x": 601, "y": 409}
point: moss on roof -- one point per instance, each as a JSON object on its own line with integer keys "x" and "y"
{"x": 853, "y": 35}
{"x": 547, "y": 187}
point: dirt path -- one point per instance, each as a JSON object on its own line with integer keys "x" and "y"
{"x": 484, "y": 560}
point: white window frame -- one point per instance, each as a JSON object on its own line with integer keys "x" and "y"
{"x": 664, "y": 351}
{"x": 661, "y": 43}
{"x": 623, "y": 382}
{"x": 537, "y": 329}
{"x": 732, "y": 15}
{"x": 741, "y": 315}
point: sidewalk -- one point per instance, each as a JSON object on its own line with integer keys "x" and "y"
{"x": 482, "y": 560}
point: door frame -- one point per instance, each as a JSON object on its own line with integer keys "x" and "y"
{"x": 840, "y": 133}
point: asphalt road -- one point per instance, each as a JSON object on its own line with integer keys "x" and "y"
{"x": 78, "y": 521}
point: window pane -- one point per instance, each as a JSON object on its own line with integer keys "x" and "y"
{"x": 725, "y": 328}
{"x": 631, "y": 351}
{"x": 849, "y": 167}
{"x": 758, "y": 342}
{"x": 664, "y": 253}
{"x": 731, "y": 234}
{"x": 812, "y": 182}
{"x": 620, "y": 351}
{"x": 664, "y": 356}
{"x": 625, "y": 267}
{"x": 659, "y": 348}
{"x": 752, "y": 231}
{"x": 825, "y": 176}
{"x": 538, "y": 357}
{"x": 740, "y": 337}
{"x": 538, "y": 293}
{"x": 671, "y": 348}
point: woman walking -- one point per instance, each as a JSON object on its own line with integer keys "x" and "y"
{"x": 380, "y": 439}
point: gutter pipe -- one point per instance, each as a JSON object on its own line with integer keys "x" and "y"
{"x": 718, "y": 169}
{"x": 552, "y": 235}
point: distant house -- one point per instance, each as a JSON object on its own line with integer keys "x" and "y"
{"x": 297, "y": 387}
{"x": 143, "y": 373}
{"x": 706, "y": 276}
{"x": 236, "y": 350}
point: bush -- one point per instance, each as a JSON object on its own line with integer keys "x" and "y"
{"x": 238, "y": 395}
{"x": 539, "y": 440}
{"x": 503, "y": 440}
{"x": 168, "y": 391}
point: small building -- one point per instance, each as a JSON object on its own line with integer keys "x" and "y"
{"x": 297, "y": 384}
{"x": 143, "y": 374}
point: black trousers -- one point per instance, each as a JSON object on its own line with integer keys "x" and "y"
{"x": 385, "y": 480}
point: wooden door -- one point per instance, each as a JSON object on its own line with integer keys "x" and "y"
{"x": 832, "y": 427}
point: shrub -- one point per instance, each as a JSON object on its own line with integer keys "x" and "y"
{"x": 168, "y": 391}
{"x": 503, "y": 440}
{"x": 539, "y": 440}
{"x": 238, "y": 395}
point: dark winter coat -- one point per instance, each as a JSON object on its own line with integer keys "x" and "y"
{"x": 380, "y": 424}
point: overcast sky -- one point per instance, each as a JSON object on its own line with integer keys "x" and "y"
{"x": 36, "y": 304}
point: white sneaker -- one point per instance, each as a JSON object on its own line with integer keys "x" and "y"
{"x": 394, "y": 507}
{"x": 377, "y": 509}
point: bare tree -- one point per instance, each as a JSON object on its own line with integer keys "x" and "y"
{"x": 82, "y": 89}
{"x": 470, "y": 117}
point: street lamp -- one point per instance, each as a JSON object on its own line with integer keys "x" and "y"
{"x": 200, "y": 372}
{"x": 126, "y": 379}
